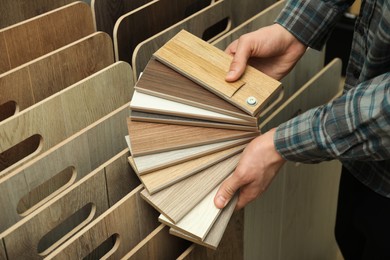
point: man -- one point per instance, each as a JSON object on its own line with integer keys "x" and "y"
{"x": 354, "y": 128}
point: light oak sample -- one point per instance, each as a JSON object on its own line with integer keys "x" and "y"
{"x": 38, "y": 79}
{"x": 110, "y": 89}
{"x": 128, "y": 32}
{"x": 14, "y": 11}
{"x": 42, "y": 34}
{"x": 40, "y": 179}
{"x": 159, "y": 244}
{"x": 130, "y": 220}
{"x": 186, "y": 54}
{"x": 148, "y": 138}
{"x": 161, "y": 179}
{"x": 161, "y": 81}
{"x": 177, "y": 200}
{"x": 153, "y": 162}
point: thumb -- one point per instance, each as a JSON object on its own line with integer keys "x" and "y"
{"x": 238, "y": 64}
{"x": 226, "y": 191}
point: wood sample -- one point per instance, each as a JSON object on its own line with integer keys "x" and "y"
{"x": 148, "y": 103}
{"x": 185, "y": 53}
{"x": 128, "y": 32}
{"x": 42, "y": 34}
{"x": 177, "y": 200}
{"x": 153, "y": 162}
{"x": 159, "y": 244}
{"x": 82, "y": 152}
{"x": 38, "y": 79}
{"x": 110, "y": 87}
{"x": 176, "y": 87}
{"x": 15, "y": 11}
{"x": 148, "y": 138}
{"x": 161, "y": 179}
{"x": 130, "y": 219}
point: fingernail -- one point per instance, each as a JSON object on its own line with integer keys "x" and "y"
{"x": 221, "y": 201}
{"x": 230, "y": 74}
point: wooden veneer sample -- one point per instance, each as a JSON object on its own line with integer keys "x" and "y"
{"x": 42, "y": 34}
{"x": 187, "y": 54}
{"x": 162, "y": 81}
{"x": 148, "y": 138}
{"x": 177, "y": 200}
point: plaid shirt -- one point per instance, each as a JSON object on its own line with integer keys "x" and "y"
{"x": 354, "y": 128}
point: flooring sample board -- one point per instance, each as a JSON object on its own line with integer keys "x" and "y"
{"x": 15, "y": 11}
{"x": 148, "y": 138}
{"x": 161, "y": 179}
{"x": 107, "y": 12}
{"x": 147, "y": 103}
{"x": 51, "y": 172}
{"x": 162, "y": 81}
{"x": 159, "y": 244}
{"x": 127, "y": 223}
{"x": 154, "y": 17}
{"x": 177, "y": 200}
{"x": 185, "y": 53}
{"x": 153, "y": 162}
{"x": 42, "y": 34}
{"x": 110, "y": 89}
{"x": 38, "y": 79}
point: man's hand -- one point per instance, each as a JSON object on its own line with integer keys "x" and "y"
{"x": 257, "y": 167}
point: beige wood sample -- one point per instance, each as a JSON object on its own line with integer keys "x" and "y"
{"x": 14, "y": 11}
{"x": 159, "y": 244}
{"x": 110, "y": 89}
{"x": 130, "y": 219}
{"x": 42, "y": 34}
{"x": 153, "y": 162}
{"x": 161, "y": 179}
{"x": 148, "y": 138}
{"x": 186, "y": 54}
{"x": 37, "y": 180}
{"x": 177, "y": 200}
{"x": 38, "y": 79}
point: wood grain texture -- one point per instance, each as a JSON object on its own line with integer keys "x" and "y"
{"x": 107, "y": 12}
{"x": 128, "y": 33}
{"x": 185, "y": 53}
{"x": 140, "y": 219}
{"x": 176, "y": 201}
{"x": 110, "y": 87}
{"x": 15, "y": 11}
{"x": 36, "y": 80}
{"x": 23, "y": 240}
{"x": 153, "y": 162}
{"x": 161, "y": 179}
{"x": 42, "y": 34}
{"x": 148, "y": 103}
{"x": 148, "y": 138}
{"x": 178, "y": 88}
{"x": 83, "y": 152}
{"x": 3, "y": 254}
{"x": 159, "y": 244}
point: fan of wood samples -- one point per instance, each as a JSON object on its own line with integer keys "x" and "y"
{"x": 187, "y": 129}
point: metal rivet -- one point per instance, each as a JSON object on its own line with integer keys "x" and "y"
{"x": 251, "y": 101}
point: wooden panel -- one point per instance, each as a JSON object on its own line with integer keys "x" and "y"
{"x": 154, "y": 17}
{"x": 110, "y": 88}
{"x": 157, "y": 161}
{"x": 36, "y": 80}
{"x": 147, "y": 138}
{"x": 158, "y": 245}
{"x": 3, "y": 255}
{"x": 107, "y": 12}
{"x": 176, "y": 201}
{"x": 42, "y": 34}
{"x": 14, "y": 11}
{"x": 185, "y": 53}
{"x": 82, "y": 152}
{"x": 130, "y": 218}
{"x": 161, "y": 179}
{"x": 179, "y": 88}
